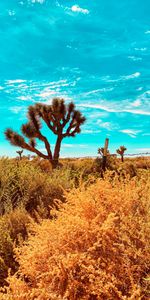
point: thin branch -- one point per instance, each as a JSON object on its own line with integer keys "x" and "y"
{"x": 32, "y": 149}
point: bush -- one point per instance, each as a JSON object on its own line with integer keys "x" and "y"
{"x": 13, "y": 228}
{"x": 96, "y": 248}
{"x": 26, "y": 185}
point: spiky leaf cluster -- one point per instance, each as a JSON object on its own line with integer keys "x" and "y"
{"x": 101, "y": 151}
{"x": 121, "y": 150}
{"x": 14, "y": 138}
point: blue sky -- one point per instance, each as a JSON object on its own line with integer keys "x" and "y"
{"x": 96, "y": 53}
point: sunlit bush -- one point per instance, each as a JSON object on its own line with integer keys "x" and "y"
{"x": 24, "y": 184}
{"x": 13, "y": 229}
{"x": 96, "y": 246}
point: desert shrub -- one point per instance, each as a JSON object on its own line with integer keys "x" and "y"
{"x": 43, "y": 164}
{"x": 24, "y": 184}
{"x": 96, "y": 248}
{"x": 142, "y": 163}
{"x": 112, "y": 163}
{"x": 127, "y": 168}
{"x": 13, "y": 229}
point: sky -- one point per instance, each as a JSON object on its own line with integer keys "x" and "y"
{"x": 95, "y": 53}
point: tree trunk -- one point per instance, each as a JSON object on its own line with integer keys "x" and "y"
{"x": 122, "y": 158}
{"x": 104, "y": 159}
{"x": 56, "y": 152}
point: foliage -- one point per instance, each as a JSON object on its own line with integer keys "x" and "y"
{"x": 13, "y": 227}
{"x": 101, "y": 151}
{"x": 96, "y": 246}
{"x": 121, "y": 151}
{"x": 25, "y": 184}
{"x": 63, "y": 120}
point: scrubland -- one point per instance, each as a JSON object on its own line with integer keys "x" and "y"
{"x": 74, "y": 232}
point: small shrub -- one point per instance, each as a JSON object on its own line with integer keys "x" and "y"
{"x": 96, "y": 248}
{"x": 13, "y": 229}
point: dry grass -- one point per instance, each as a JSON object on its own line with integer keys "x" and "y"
{"x": 95, "y": 248}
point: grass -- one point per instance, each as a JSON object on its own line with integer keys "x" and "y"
{"x": 72, "y": 235}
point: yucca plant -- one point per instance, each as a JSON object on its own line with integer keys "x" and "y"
{"x": 63, "y": 120}
{"x": 101, "y": 151}
{"x": 121, "y": 151}
{"x": 19, "y": 152}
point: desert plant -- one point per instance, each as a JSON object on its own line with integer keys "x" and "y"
{"x": 101, "y": 152}
{"x": 63, "y": 120}
{"x": 13, "y": 229}
{"x": 19, "y": 152}
{"x": 96, "y": 248}
{"x": 121, "y": 151}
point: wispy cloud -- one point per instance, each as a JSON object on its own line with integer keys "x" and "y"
{"x": 136, "y": 103}
{"x": 134, "y": 58}
{"x": 122, "y": 107}
{"x": 15, "y": 81}
{"x": 107, "y": 125}
{"x": 16, "y": 109}
{"x": 131, "y": 132}
{"x": 90, "y": 131}
{"x": 132, "y": 76}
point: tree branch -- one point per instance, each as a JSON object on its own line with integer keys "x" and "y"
{"x": 32, "y": 149}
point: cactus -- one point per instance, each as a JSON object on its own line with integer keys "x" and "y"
{"x": 121, "y": 151}
{"x": 20, "y": 153}
{"x": 63, "y": 120}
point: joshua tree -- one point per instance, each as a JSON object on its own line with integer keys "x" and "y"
{"x": 20, "y": 153}
{"x": 104, "y": 152}
{"x": 121, "y": 151}
{"x": 63, "y": 120}
{"x": 101, "y": 151}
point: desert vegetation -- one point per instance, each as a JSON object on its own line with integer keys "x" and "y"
{"x": 121, "y": 152}
{"x": 63, "y": 120}
{"x": 72, "y": 229}
{"x": 68, "y": 233}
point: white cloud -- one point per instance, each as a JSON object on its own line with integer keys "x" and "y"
{"x": 38, "y": 1}
{"x": 134, "y": 58}
{"x": 15, "y": 81}
{"x": 136, "y": 103}
{"x": 106, "y": 125}
{"x": 90, "y": 131}
{"x": 46, "y": 94}
{"x": 140, "y": 88}
{"x": 16, "y": 109}
{"x": 134, "y": 75}
{"x": 113, "y": 108}
{"x": 24, "y": 98}
{"x": 98, "y": 91}
{"x": 11, "y": 12}
{"x": 78, "y": 9}
{"x": 131, "y": 132}
{"x": 140, "y": 49}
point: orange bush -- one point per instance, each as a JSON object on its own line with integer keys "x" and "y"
{"x": 95, "y": 248}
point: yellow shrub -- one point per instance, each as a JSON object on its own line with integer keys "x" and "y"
{"x": 13, "y": 228}
{"x": 96, "y": 249}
